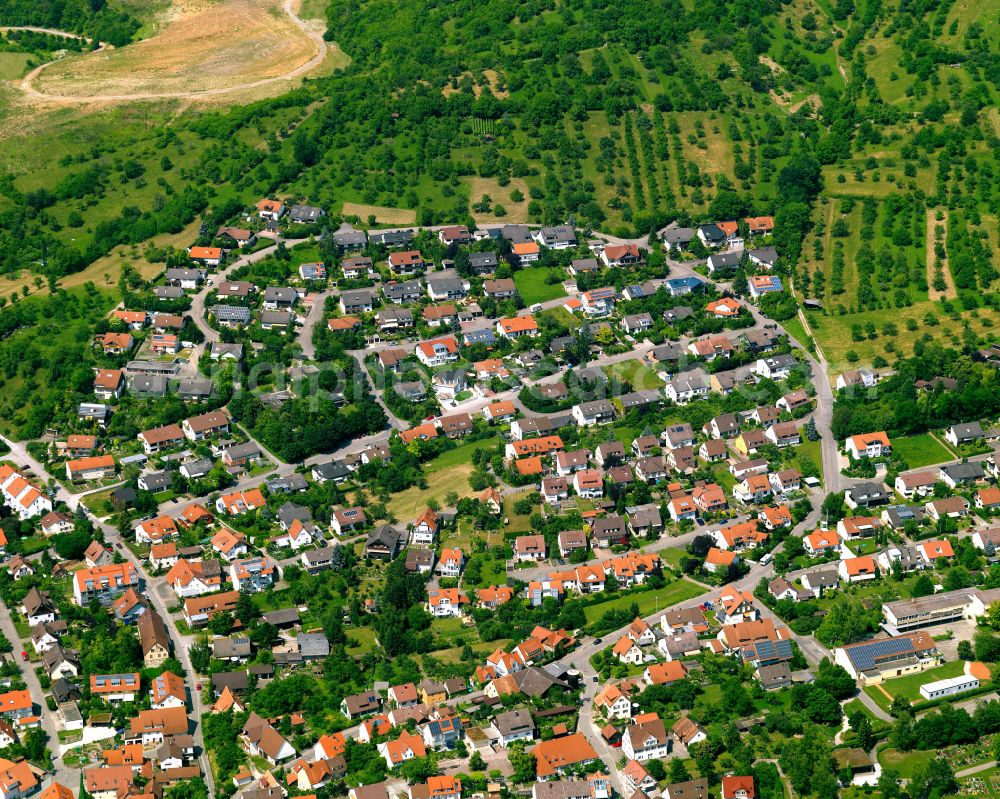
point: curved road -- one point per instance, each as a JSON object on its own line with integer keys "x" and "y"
{"x": 299, "y": 71}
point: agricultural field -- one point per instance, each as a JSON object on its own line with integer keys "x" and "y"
{"x": 928, "y": 321}
{"x": 379, "y": 214}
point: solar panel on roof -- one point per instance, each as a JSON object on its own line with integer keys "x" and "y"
{"x": 866, "y": 656}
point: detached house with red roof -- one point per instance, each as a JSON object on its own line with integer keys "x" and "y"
{"x": 406, "y": 747}
{"x": 738, "y": 788}
{"x": 438, "y": 351}
{"x": 240, "y": 502}
{"x": 96, "y": 467}
{"x": 821, "y": 542}
{"x": 21, "y": 496}
{"x": 858, "y": 570}
{"x": 517, "y": 327}
{"x": 425, "y": 529}
{"x": 109, "y": 383}
{"x": 444, "y": 602}
{"x": 935, "y": 552}
{"x": 614, "y": 255}
{"x": 868, "y": 445}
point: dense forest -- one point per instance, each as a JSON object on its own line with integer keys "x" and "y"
{"x": 92, "y": 18}
{"x": 897, "y": 406}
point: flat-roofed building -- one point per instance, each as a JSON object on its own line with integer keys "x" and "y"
{"x": 943, "y": 608}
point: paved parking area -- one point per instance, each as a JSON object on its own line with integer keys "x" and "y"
{"x": 963, "y": 630}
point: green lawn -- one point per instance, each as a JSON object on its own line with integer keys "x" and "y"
{"x": 459, "y": 455}
{"x": 649, "y": 602}
{"x": 639, "y": 375}
{"x": 909, "y": 686}
{"x": 532, "y": 287}
{"x": 855, "y": 705}
{"x": 811, "y": 450}
{"x": 562, "y": 315}
{"x": 364, "y": 637}
{"x": 673, "y": 556}
{"x": 918, "y": 451}
{"x": 14, "y": 65}
{"x": 795, "y": 329}
{"x": 906, "y": 763}
{"x": 724, "y": 478}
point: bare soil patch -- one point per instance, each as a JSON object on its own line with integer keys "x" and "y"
{"x": 493, "y": 84}
{"x": 383, "y": 215}
{"x": 517, "y": 213}
{"x": 202, "y": 48}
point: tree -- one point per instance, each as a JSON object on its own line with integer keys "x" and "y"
{"x": 36, "y": 746}
{"x": 987, "y": 646}
{"x": 678, "y": 771}
{"x": 71, "y": 546}
{"x": 922, "y": 586}
{"x": 816, "y": 703}
{"x": 188, "y": 789}
{"x": 833, "y": 508}
{"x": 656, "y": 769}
{"x": 522, "y": 762}
{"x": 835, "y": 679}
{"x": 965, "y": 651}
{"x": 476, "y": 762}
{"x": 862, "y": 728}
{"x": 201, "y": 657}
{"x": 846, "y": 622}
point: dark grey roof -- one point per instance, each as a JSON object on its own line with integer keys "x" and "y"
{"x": 149, "y": 384}
{"x": 358, "y": 297}
{"x": 235, "y": 681}
{"x": 351, "y": 238}
{"x": 678, "y": 235}
{"x": 282, "y": 617}
{"x": 276, "y": 318}
{"x": 231, "y": 313}
{"x": 767, "y": 255}
{"x": 639, "y": 399}
{"x": 289, "y": 512}
{"x": 390, "y": 237}
{"x": 195, "y": 387}
{"x": 961, "y": 472}
{"x": 478, "y": 260}
{"x": 291, "y": 482}
{"x": 219, "y": 349}
{"x": 313, "y": 645}
{"x": 334, "y": 470}
{"x": 712, "y": 232}
{"x": 178, "y": 274}
{"x": 198, "y": 467}
{"x": 283, "y": 294}
{"x": 306, "y": 213}
{"x": 823, "y": 579}
{"x": 158, "y": 481}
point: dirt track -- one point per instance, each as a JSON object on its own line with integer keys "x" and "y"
{"x": 33, "y": 93}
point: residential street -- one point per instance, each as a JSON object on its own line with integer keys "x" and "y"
{"x": 62, "y": 773}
